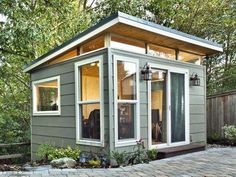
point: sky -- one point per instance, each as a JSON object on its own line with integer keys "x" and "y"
{"x": 3, "y": 18}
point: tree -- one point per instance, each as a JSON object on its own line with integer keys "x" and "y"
{"x": 32, "y": 28}
{"x": 35, "y": 26}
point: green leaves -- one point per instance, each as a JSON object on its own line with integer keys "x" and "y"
{"x": 33, "y": 27}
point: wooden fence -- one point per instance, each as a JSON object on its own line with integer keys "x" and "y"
{"x": 13, "y": 156}
{"x": 221, "y": 110}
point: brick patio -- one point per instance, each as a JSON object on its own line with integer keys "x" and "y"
{"x": 212, "y": 162}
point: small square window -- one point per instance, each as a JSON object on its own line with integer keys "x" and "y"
{"x": 46, "y": 97}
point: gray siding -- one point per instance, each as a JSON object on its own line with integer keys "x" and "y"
{"x": 197, "y": 96}
{"x": 60, "y": 130}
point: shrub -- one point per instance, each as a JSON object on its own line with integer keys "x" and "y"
{"x": 49, "y": 152}
{"x": 120, "y": 157}
{"x": 230, "y": 133}
{"x": 94, "y": 163}
{"x": 152, "y": 154}
{"x": 140, "y": 154}
{"x": 44, "y": 151}
{"x": 215, "y": 137}
{"x": 65, "y": 152}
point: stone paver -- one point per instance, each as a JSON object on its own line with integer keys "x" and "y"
{"x": 209, "y": 163}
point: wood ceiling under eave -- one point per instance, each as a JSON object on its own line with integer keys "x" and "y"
{"x": 150, "y": 37}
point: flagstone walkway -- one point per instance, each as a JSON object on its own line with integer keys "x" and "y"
{"x": 212, "y": 162}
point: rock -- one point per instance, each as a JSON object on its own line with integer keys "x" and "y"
{"x": 63, "y": 163}
{"x": 113, "y": 163}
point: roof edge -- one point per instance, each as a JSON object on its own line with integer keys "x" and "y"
{"x": 171, "y": 30}
{"x": 125, "y": 19}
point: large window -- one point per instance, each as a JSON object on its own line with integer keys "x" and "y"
{"x": 46, "y": 96}
{"x": 126, "y": 100}
{"x": 89, "y": 105}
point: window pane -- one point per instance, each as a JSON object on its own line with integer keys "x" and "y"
{"x": 177, "y": 108}
{"x": 126, "y": 118}
{"x": 90, "y": 81}
{"x": 191, "y": 58}
{"x": 126, "y": 78}
{"x": 90, "y": 120}
{"x": 158, "y": 97}
{"x": 124, "y": 43}
{"x": 161, "y": 51}
{"x": 47, "y": 96}
{"x": 93, "y": 44}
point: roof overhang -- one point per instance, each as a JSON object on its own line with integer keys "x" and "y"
{"x": 130, "y": 26}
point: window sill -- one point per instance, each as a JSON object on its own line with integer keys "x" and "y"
{"x": 128, "y": 142}
{"x": 90, "y": 143}
{"x": 47, "y": 113}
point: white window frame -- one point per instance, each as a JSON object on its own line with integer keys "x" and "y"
{"x": 34, "y": 93}
{"x": 132, "y": 141}
{"x": 78, "y": 102}
{"x": 169, "y": 70}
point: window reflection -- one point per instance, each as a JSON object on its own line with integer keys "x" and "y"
{"x": 90, "y": 81}
{"x": 158, "y": 103}
{"x": 160, "y": 51}
{"x": 188, "y": 57}
{"x": 47, "y": 96}
{"x": 127, "y": 97}
{"x": 126, "y": 80}
{"x": 90, "y": 114}
{"x": 126, "y": 114}
{"x": 90, "y": 92}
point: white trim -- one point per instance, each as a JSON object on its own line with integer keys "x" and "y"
{"x": 107, "y": 40}
{"x": 78, "y": 102}
{"x": 168, "y": 34}
{"x": 132, "y": 141}
{"x": 76, "y": 42}
{"x": 168, "y": 111}
{"x": 44, "y": 113}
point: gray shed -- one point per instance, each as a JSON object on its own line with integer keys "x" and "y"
{"x": 120, "y": 81}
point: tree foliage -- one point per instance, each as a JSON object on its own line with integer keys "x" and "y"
{"x": 35, "y": 26}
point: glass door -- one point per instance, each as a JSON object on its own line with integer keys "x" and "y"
{"x": 158, "y": 107}
{"x": 177, "y": 110}
{"x": 168, "y": 107}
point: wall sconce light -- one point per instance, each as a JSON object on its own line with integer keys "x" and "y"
{"x": 194, "y": 80}
{"x": 146, "y": 73}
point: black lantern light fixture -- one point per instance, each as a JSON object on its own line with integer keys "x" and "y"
{"x": 194, "y": 80}
{"x": 146, "y": 73}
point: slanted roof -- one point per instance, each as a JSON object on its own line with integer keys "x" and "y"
{"x": 130, "y": 26}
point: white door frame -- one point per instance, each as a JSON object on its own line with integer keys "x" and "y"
{"x": 169, "y": 69}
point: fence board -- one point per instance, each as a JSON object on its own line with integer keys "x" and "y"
{"x": 221, "y": 110}
{"x": 13, "y": 156}
{"x": 14, "y": 144}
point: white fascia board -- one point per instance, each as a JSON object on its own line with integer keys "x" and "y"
{"x": 73, "y": 44}
{"x": 168, "y": 34}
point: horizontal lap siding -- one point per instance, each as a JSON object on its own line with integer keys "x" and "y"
{"x": 196, "y": 99}
{"x": 61, "y": 130}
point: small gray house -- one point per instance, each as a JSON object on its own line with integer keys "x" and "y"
{"x": 121, "y": 80}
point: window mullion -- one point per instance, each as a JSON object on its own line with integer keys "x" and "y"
{"x": 127, "y": 101}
